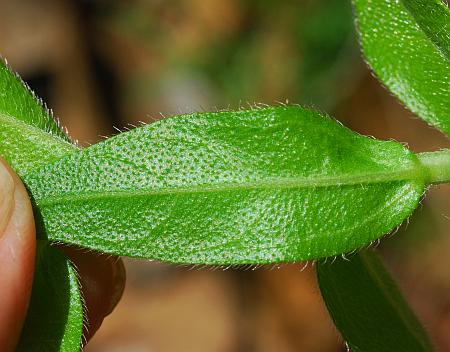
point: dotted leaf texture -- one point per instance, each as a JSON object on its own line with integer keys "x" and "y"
{"x": 54, "y": 322}
{"x": 266, "y": 185}
{"x": 406, "y": 43}
{"x": 367, "y": 307}
{"x": 29, "y": 137}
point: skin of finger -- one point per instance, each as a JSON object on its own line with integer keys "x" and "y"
{"x": 17, "y": 256}
{"x": 102, "y": 281}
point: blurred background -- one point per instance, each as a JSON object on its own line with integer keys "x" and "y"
{"x": 105, "y": 64}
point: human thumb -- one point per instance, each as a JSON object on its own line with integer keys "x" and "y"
{"x": 17, "y": 255}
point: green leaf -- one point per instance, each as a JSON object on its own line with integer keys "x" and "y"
{"x": 26, "y": 147}
{"x": 367, "y": 307}
{"x": 55, "y": 317}
{"x": 271, "y": 185}
{"x": 17, "y": 100}
{"x": 433, "y": 18}
{"x": 29, "y": 136}
{"x": 406, "y": 43}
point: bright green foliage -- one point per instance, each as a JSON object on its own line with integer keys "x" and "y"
{"x": 433, "y": 18}
{"x": 18, "y": 101}
{"x": 368, "y": 308}
{"x": 55, "y": 317}
{"x": 265, "y": 185}
{"x": 259, "y": 186}
{"x": 406, "y": 43}
{"x": 29, "y": 137}
{"x": 25, "y": 146}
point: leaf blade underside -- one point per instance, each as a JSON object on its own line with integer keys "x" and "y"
{"x": 30, "y": 137}
{"x": 433, "y": 18}
{"x": 406, "y": 45}
{"x": 367, "y": 307}
{"x": 257, "y": 186}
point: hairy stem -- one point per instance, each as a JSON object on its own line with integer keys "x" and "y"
{"x": 437, "y": 165}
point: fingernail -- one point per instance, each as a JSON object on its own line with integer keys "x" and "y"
{"x": 6, "y": 197}
{"x": 119, "y": 285}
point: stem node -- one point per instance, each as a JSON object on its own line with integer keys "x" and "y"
{"x": 437, "y": 165}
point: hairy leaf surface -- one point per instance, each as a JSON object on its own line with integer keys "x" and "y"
{"x": 25, "y": 147}
{"x": 55, "y": 318}
{"x": 29, "y": 136}
{"x": 433, "y": 18}
{"x": 264, "y": 185}
{"x": 17, "y": 100}
{"x": 406, "y": 43}
{"x": 368, "y": 308}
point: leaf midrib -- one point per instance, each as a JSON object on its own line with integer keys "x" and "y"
{"x": 31, "y": 129}
{"x": 412, "y": 174}
{"x": 392, "y": 302}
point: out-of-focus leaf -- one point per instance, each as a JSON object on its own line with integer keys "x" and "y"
{"x": 55, "y": 317}
{"x": 367, "y": 307}
{"x": 265, "y": 185}
{"x": 406, "y": 43}
{"x": 329, "y": 52}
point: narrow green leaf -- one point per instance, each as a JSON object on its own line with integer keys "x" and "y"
{"x": 270, "y": 185}
{"x": 17, "y": 100}
{"x": 406, "y": 43}
{"x": 367, "y": 307}
{"x": 29, "y": 136}
{"x": 26, "y": 147}
{"x": 55, "y": 318}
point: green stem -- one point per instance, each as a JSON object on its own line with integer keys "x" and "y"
{"x": 437, "y": 165}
